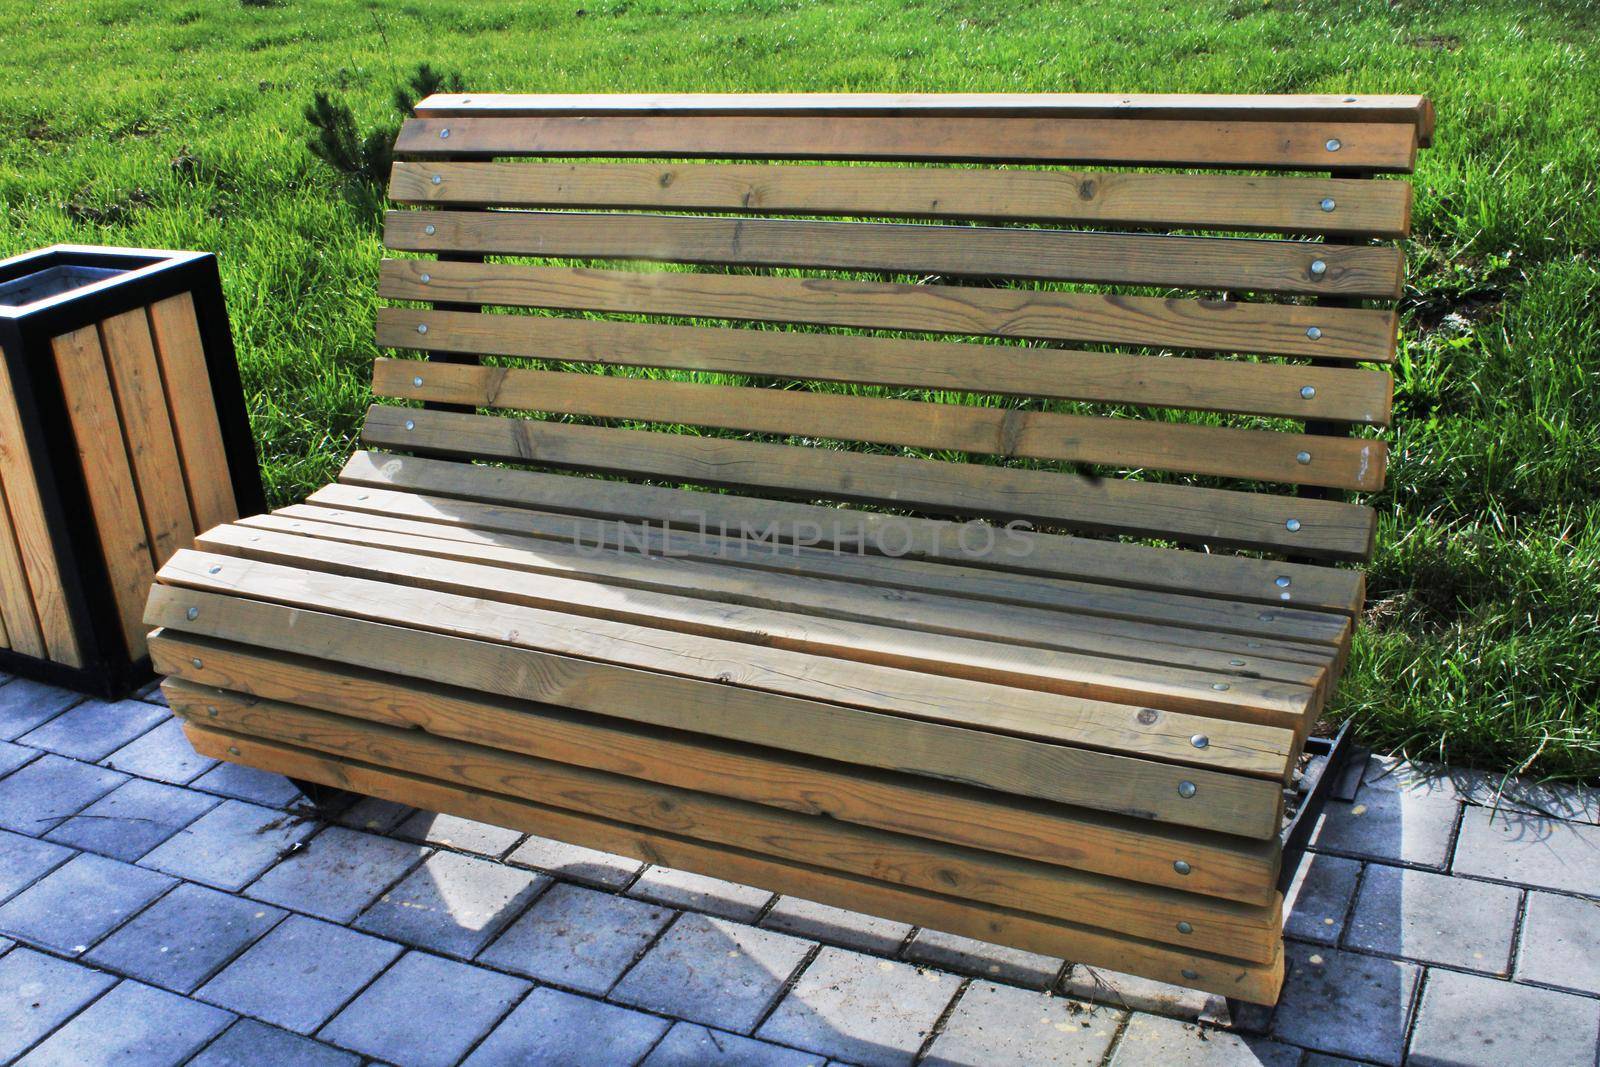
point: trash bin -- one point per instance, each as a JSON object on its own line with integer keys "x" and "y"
{"x": 122, "y": 433}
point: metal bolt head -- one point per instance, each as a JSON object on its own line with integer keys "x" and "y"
{"x": 1190, "y": 975}
{"x": 417, "y": 382}
{"x": 1186, "y": 789}
{"x": 438, "y": 179}
{"x": 1302, "y": 458}
{"x": 1293, "y": 526}
{"x": 422, "y": 327}
{"x": 1349, "y": 99}
{"x": 1266, "y": 616}
{"x": 233, "y": 750}
{"x": 1318, "y": 267}
{"x": 1221, "y": 687}
{"x": 1307, "y": 392}
{"x": 430, "y": 229}
{"x": 192, "y": 614}
{"x": 1328, "y": 203}
{"x": 1313, "y": 332}
{"x": 425, "y": 278}
{"x": 1185, "y": 928}
{"x": 197, "y": 663}
{"x": 215, "y": 570}
{"x": 1333, "y": 145}
{"x": 1200, "y": 741}
{"x": 410, "y": 424}
{"x": 1281, "y": 581}
{"x": 1181, "y": 867}
{"x": 1236, "y": 663}
{"x": 444, "y": 135}
{"x": 211, "y": 712}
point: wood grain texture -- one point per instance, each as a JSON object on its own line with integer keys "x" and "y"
{"x": 1227, "y": 386}
{"x": 924, "y": 547}
{"x": 953, "y": 251}
{"x": 1140, "y": 199}
{"x": 1350, "y": 334}
{"x": 1139, "y": 851}
{"x": 1118, "y": 443}
{"x": 19, "y": 625}
{"x": 1180, "y": 142}
{"x": 1322, "y": 528}
{"x": 176, "y": 333}
{"x": 398, "y": 630}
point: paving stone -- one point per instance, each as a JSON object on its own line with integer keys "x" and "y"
{"x": 692, "y": 1045}
{"x": 300, "y": 974}
{"x": 25, "y": 860}
{"x": 452, "y": 904}
{"x": 163, "y": 754}
{"x": 1434, "y": 918}
{"x": 713, "y": 971}
{"x": 555, "y": 1029}
{"x": 996, "y": 1025}
{"x": 36, "y": 798}
{"x": 25, "y": 705}
{"x": 185, "y": 937}
{"x": 338, "y": 873}
{"x": 1561, "y": 942}
{"x": 14, "y": 756}
{"x": 1467, "y": 1020}
{"x": 6, "y": 945}
{"x": 426, "y": 1011}
{"x": 980, "y": 958}
{"x": 578, "y": 938}
{"x": 96, "y": 728}
{"x": 38, "y": 993}
{"x": 681, "y": 889}
{"x": 1556, "y": 800}
{"x": 1171, "y": 1043}
{"x": 152, "y": 694}
{"x": 452, "y": 831}
{"x": 373, "y": 815}
{"x": 1350, "y": 1005}
{"x": 79, "y": 902}
{"x": 246, "y": 783}
{"x": 134, "y": 1025}
{"x": 1100, "y": 985}
{"x": 1319, "y": 898}
{"x": 576, "y": 863}
{"x": 229, "y": 846}
{"x": 861, "y": 1008}
{"x": 836, "y": 926}
{"x": 132, "y": 819}
{"x": 1528, "y": 849}
{"x": 252, "y": 1044}
{"x": 1400, "y": 814}
{"x": 1318, "y": 1059}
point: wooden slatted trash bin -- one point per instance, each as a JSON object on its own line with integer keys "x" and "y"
{"x": 122, "y": 433}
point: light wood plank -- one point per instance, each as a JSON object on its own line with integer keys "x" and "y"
{"x": 176, "y": 333}
{"x": 1354, "y": 334}
{"x": 1208, "y": 263}
{"x": 399, "y": 630}
{"x": 16, "y": 599}
{"x": 1222, "y": 144}
{"x": 1225, "y": 518}
{"x": 1139, "y": 199}
{"x": 1119, "y": 443}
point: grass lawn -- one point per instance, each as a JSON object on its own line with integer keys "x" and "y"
{"x": 177, "y": 123}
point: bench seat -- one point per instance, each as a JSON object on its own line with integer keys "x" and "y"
{"x": 1012, "y": 697}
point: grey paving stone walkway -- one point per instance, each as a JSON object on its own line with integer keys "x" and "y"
{"x": 159, "y": 909}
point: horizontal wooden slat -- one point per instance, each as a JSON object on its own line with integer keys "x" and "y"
{"x": 1321, "y": 528}
{"x": 1229, "y": 977}
{"x": 1131, "y": 199}
{"x": 1345, "y": 463}
{"x": 1137, "y": 850}
{"x": 927, "y": 548}
{"x": 984, "y": 877}
{"x": 966, "y": 251}
{"x": 498, "y": 639}
{"x": 1229, "y": 386}
{"x": 1208, "y": 325}
{"x": 1224, "y": 143}
{"x": 1410, "y": 110}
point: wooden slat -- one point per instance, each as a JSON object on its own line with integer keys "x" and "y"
{"x": 147, "y": 426}
{"x": 108, "y": 474}
{"x": 1357, "y": 334}
{"x": 423, "y": 563}
{"x": 1225, "y": 976}
{"x": 964, "y": 251}
{"x": 1280, "y": 144}
{"x": 19, "y": 626}
{"x": 1321, "y": 528}
{"x": 925, "y": 546}
{"x": 1138, "y": 199}
{"x": 707, "y": 573}
{"x": 987, "y": 878}
{"x": 397, "y": 630}
{"x": 1228, "y": 386}
{"x": 1345, "y": 463}
{"x": 176, "y": 333}
{"x": 1136, "y": 850}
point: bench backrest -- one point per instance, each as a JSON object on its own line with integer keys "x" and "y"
{"x": 1061, "y": 239}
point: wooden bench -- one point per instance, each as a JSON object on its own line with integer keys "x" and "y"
{"x": 1007, "y": 691}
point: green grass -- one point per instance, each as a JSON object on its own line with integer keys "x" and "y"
{"x": 176, "y": 123}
